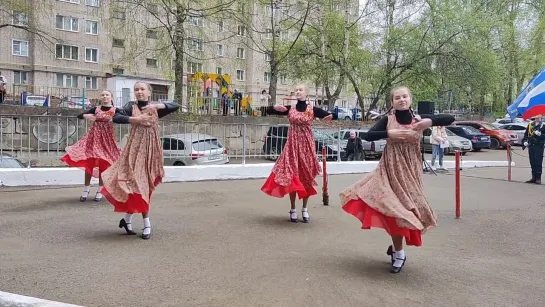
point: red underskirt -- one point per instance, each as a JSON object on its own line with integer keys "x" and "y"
{"x": 88, "y": 165}
{"x": 270, "y": 187}
{"x": 370, "y": 217}
{"x": 134, "y": 203}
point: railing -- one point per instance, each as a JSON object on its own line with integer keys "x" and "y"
{"x": 41, "y": 140}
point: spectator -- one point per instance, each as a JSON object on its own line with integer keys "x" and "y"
{"x": 3, "y": 84}
{"x": 354, "y": 148}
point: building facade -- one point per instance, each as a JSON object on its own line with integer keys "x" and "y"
{"x": 76, "y": 48}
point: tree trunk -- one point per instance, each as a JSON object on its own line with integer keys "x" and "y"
{"x": 274, "y": 78}
{"x": 179, "y": 35}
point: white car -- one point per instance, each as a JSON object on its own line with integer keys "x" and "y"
{"x": 186, "y": 149}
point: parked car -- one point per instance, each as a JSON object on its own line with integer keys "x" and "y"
{"x": 503, "y": 121}
{"x": 372, "y": 149}
{"x": 518, "y": 128}
{"x": 76, "y": 102}
{"x": 344, "y": 113}
{"x": 457, "y": 143}
{"x": 498, "y": 137}
{"x": 10, "y": 162}
{"x": 274, "y": 141}
{"x": 478, "y": 140}
{"x": 186, "y": 149}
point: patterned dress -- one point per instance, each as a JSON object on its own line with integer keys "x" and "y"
{"x": 129, "y": 183}
{"x": 297, "y": 166}
{"x": 391, "y": 197}
{"x": 98, "y": 149}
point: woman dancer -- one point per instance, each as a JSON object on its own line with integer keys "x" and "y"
{"x": 295, "y": 170}
{"x": 391, "y": 197}
{"x": 129, "y": 183}
{"x": 98, "y": 149}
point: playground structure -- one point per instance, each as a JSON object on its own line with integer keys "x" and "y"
{"x": 209, "y": 93}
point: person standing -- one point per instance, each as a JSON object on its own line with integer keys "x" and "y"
{"x": 295, "y": 170}
{"x": 354, "y": 147}
{"x": 98, "y": 149}
{"x": 534, "y": 139}
{"x": 438, "y": 137}
{"x": 3, "y": 85}
{"x": 130, "y": 182}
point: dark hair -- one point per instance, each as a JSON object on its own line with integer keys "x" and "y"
{"x": 263, "y": 91}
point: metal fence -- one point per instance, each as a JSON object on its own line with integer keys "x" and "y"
{"x": 41, "y": 140}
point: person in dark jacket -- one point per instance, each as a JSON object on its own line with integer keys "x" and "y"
{"x": 534, "y": 139}
{"x": 354, "y": 148}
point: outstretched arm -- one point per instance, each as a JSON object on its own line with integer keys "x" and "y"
{"x": 321, "y": 113}
{"x": 91, "y": 111}
{"x": 278, "y": 110}
{"x": 165, "y": 109}
{"x": 440, "y": 119}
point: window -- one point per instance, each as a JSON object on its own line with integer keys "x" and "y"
{"x": 91, "y": 55}
{"x": 196, "y": 44}
{"x": 220, "y": 26}
{"x": 92, "y": 2}
{"x": 196, "y": 21}
{"x": 151, "y": 34}
{"x": 266, "y": 76}
{"x": 151, "y": 63}
{"x": 67, "y": 23}
{"x": 119, "y": 14}
{"x": 120, "y": 43}
{"x": 284, "y": 35}
{"x": 241, "y": 31}
{"x": 70, "y": 1}
{"x": 240, "y": 75}
{"x": 91, "y": 83}
{"x": 91, "y": 27}
{"x": 267, "y": 57}
{"x": 283, "y": 79}
{"x": 240, "y": 53}
{"x": 219, "y": 70}
{"x": 20, "y": 77}
{"x": 65, "y": 80}
{"x": 19, "y": 48}
{"x": 173, "y": 144}
{"x": 66, "y": 52}
{"x": 220, "y": 50}
{"x": 20, "y": 18}
{"x": 269, "y": 33}
{"x": 118, "y": 71}
{"x": 194, "y": 67}
{"x": 269, "y": 10}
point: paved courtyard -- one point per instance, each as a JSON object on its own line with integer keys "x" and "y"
{"x": 227, "y": 244}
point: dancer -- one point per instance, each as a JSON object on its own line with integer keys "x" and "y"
{"x": 391, "y": 197}
{"x": 295, "y": 170}
{"x": 129, "y": 183}
{"x": 98, "y": 149}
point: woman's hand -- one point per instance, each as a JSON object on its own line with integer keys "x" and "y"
{"x": 89, "y": 117}
{"x": 423, "y": 124}
{"x": 280, "y": 108}
{"x": 143, "y": 120}
{"x": 399, "y": 134}
{"x": 328, "y": 118}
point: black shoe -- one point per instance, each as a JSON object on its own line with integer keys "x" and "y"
{"x": 146, "y": 237}
{"x": 97, "y": 199}
{"x": 390, "y": 252}
{"x": 82, "y": 199}
{"x": 394, "y": 269}
{"x": 533, "y": 180}
{"x": 123, "y": 224}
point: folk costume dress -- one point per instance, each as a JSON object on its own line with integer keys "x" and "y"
{"x": 98, "y": 149}
{"x": 129, "y": 183}
{"x": 392, "y": 197}
{"x": 297, "y": 167}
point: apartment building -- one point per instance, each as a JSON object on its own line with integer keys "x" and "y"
{"x": 79, "y": 47}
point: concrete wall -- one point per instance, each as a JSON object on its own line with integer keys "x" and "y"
{"x": 71, "y": 176}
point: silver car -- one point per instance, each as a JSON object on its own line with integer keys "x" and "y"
{"x": 516, "y": 128}
{"x": 456, "y": 143}
{"x": 193, "y": 149}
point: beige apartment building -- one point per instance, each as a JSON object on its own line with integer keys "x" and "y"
{"x": 79, "y": 47}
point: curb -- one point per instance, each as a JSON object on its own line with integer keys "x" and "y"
{"x": 15, "y": 300}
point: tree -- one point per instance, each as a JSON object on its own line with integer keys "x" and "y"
{"x": 277, "y": 35}
{"x": 176, "y": 27}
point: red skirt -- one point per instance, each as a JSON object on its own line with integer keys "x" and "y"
{"x": 89, "y": 165}
{"x": 134, "y": 203}
{"x": 270, "y": 187}
{"x": 370, "y": 217}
